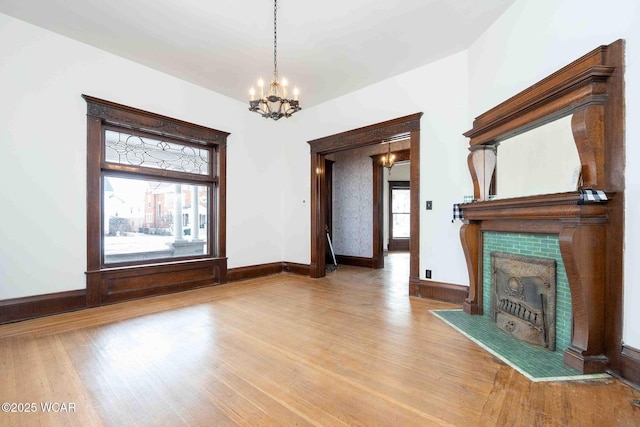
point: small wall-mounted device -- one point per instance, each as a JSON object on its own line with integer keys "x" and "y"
{"x": 429, "y": 205}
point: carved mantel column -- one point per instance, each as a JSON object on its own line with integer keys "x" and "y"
{"x": 471, "y": 239}
{"x": 588, "y": 133}
{"x": 583, "y": 252}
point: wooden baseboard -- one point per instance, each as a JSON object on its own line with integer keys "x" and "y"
{"x": 260, "y": 270}
{"x": 440, "y": 291}
{"x": 253, "y": 271}
{"x": 295, "y": 268}
{"x": 630, "y": 366}
{"x": 398, "y": 245}
{"x": 356, "y": 261}
{"x": 16, "y": 309}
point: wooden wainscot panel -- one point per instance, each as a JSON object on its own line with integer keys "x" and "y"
{"x": 120, "y": 284}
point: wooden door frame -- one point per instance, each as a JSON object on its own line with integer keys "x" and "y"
{"x": 378, "y": 204}
{"x": 356, "y": 138}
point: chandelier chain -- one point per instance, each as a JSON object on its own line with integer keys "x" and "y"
{"x": 275, "y": 40}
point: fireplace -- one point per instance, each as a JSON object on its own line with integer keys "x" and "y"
{"x": 589, "y": 229}
{"x": 523, "y": 297}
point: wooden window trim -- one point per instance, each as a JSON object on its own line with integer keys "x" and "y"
{"x": 122, "y": 282}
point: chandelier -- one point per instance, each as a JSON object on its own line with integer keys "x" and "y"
{"x": 388, "y": 160}
{"x": 275, "y": 104}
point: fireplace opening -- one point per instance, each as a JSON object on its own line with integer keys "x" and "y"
{"x": 523, "y": 297}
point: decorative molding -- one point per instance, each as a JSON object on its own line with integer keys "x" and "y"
{"x": 367, "y": 135}
{"x": 17, "y": 309}
{"x": 146, "y": 121}
{"x": 541, "y": 207}
{"x": 440, "y": 291}
{"x": 578, "y": 84}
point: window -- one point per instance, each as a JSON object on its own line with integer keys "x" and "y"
{"x": 399, "y": 215}
{"x": 173, "y": 198}
{"x": 155, "y": 198}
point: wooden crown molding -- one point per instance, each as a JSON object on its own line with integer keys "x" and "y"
{"x": 111, "y": 112}
{"x": 372, "y": 134}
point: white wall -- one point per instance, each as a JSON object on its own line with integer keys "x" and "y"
{"x": 534, "y": 38}
{"x": 444, "y": 175}
{"x": 43, "y": 162}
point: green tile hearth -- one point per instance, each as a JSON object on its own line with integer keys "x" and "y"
{"x": 534, "y": 362}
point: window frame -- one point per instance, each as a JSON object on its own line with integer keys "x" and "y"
{"x": 397, "y": 243}
{"x": 125, "y": 280}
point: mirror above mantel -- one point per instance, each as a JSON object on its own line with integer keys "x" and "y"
{"x": 543, "y": 160}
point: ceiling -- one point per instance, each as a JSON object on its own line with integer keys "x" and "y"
{"x": 326, "y": 48}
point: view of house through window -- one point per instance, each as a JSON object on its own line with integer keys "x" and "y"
{"x": 150, "y": 219}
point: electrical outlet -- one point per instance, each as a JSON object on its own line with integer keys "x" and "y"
{"x": 427, "y": 273}
{"x": 429, "y": 205}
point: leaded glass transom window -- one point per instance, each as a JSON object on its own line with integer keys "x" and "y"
{"x": 144, "y": 151}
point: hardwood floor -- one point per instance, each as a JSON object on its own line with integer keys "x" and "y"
{"x": 349, "y": 349}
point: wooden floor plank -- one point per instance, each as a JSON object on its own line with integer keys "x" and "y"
{"x": 349, "y": 349}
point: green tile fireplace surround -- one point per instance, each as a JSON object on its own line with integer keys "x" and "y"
{"x": 538, "y": 245}
{"x": 535, "y": 362}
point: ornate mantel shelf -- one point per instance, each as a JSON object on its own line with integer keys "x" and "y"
{"x": 543, "y": 207}
{"x": 589, "y": 234}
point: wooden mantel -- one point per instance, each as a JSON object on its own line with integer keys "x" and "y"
{"x": 590, "y": 235}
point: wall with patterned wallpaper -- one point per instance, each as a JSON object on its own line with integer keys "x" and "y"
{"x": 352, "y": 203}
{"x": 353, "y": 199}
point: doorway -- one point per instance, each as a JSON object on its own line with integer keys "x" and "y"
{"x": 407, "y": 127}
{"x": 399, "y": 215}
